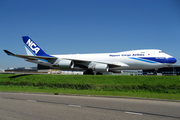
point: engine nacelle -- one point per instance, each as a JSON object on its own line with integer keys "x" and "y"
{"x": 116, "y": 71}
{"x": 100, "y": 67}
{"x": 65, "y": 64}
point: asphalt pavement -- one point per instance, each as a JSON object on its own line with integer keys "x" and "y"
{"x": 28, "y": 106}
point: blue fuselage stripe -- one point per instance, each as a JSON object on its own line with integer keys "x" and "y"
{"x": 142, "y": 59}
{"x": 155, "y": 59}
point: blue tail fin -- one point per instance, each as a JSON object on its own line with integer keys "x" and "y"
{"x": 32, "y": 48}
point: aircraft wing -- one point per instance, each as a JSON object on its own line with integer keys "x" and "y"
{"x": 113, "y": 64}
{"x": 79, "y": 62}
{"x": 29, "y": 57}
{"x": 120, "y": 64}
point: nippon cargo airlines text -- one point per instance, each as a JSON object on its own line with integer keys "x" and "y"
{"x": 127, "y": 55}
{"x": 99, "y": 62}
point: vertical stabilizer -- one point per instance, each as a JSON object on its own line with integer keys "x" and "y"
{"x": 32, "y": 48}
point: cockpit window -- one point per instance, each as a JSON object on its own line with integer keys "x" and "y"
{"x": 161, "y": 52}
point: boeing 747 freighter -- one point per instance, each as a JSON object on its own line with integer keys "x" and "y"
{"x": 99, "y": 62}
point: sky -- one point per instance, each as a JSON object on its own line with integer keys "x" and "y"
{"x": 88, "y": 26}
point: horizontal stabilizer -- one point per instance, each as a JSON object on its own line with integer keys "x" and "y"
{"x": 29, "y": 56}
{"x": 8, "y": 53}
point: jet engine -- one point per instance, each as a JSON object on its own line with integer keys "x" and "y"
{"x": 65, "y": 64}
{"x": 116, "y": 71}
{"x": 100, "y": 67}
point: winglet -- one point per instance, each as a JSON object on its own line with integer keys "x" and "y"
{"x": 8, "y": 53}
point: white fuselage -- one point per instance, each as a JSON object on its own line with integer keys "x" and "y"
{"x": 128, "y": 60}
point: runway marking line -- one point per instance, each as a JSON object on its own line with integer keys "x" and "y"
{"x": 31, "y": 100}
{"x": 74, "y": 105}
{"x": 134, "y": 113}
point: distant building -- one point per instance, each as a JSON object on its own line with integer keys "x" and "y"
{"x": 46, "y": 69}
{"x": 125, "y": 72}
{"x": 170, "y": 70}
{"x": 49, "y": 70}
{"x": 21, "y": 69}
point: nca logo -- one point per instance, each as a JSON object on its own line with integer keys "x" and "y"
{"x": 32, "y": 46}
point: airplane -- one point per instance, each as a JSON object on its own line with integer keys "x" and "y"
{"x": 100, "y": 62}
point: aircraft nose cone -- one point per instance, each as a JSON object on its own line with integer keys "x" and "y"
{"x": 170, "y": 60}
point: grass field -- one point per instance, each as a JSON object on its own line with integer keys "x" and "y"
{"x": 161, "y": 87}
